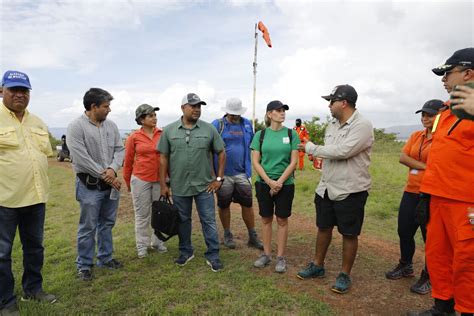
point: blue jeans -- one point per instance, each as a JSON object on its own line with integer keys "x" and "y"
{"x": 30, "y": 222}
{"x": 206, "y": 211}
{"x": 98, "y": 214}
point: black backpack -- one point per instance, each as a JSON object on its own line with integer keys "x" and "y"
{"x": 164, "y": 218}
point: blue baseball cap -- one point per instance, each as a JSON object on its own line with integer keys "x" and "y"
{"x": 13, "y": 78}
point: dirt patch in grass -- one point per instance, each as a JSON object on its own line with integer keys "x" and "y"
{"x": 371, "y": 293}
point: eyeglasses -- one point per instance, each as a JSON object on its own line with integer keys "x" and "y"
{"x": 188, "y": 133}
{"x": 334, "y": 100}
{"x": 447, "y": 73}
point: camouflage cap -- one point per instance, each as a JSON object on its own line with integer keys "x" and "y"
{"x": 142, "y": 110}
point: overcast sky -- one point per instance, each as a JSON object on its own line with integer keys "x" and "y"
{"x": 154, "y": 51}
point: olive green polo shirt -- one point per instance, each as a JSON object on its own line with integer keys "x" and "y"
{"x": 189, "y": 155}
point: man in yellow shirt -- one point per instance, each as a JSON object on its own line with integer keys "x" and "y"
{"x": 24, "y": 186}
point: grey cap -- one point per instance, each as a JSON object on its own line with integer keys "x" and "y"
{"x": 192, "y": 99}
{"x": 144, "y": 109}
{"x": 233, "y": 106}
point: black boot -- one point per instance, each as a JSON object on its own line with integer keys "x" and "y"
{"x": 440, "y": 308}
{"x": 423, "y": 285}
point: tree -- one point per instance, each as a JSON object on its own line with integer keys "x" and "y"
{"x": 54, "y": 142}
{"x": 382, "y": 137}
{"x": 259, "y": 125}
{"x": 316, "y": 129}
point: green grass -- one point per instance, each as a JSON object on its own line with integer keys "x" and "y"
{"x": 155, "y": 285}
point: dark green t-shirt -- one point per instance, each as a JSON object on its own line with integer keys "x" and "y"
{"x": 189, "y": 153}
{"x": 276, "y": 148}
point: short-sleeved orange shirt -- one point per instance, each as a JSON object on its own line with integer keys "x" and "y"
{"x": 141, "y": 157}
{"x": 417, "y": 147}
{"x": 450, "y": 167}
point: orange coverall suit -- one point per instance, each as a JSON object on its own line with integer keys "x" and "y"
{"x": 449, "y": 178}
{"x": 304, "y": 136}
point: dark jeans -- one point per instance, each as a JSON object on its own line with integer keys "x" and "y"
{"x": 207, "y": 215}
{"x": 30, "y": 222}
{"x": 407, "y": 226}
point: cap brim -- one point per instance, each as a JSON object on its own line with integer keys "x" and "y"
{"x": 429, "y": 111}
{"x": 196, "y": 103}
{"x": 17, "y": 84}
{"x": 283, "y": 106}
{"x": 327, "y": 97}
{"x": 440, "y": 70}
{"x": 153, "y": 110}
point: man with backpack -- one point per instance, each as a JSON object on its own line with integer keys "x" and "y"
{"x": 342, "y": 192}
{"x": 237, "y": 133}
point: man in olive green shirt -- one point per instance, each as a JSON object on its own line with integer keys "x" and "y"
{"x": 186, "y": 148}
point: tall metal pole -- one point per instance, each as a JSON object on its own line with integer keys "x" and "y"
{"x": 254, "y": 77}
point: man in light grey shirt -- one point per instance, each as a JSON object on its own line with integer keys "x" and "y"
{"x": 97, "y": 153}
{"x": 342, "y": 192}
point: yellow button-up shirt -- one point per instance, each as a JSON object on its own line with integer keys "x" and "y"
{"x": 24, "y": 147}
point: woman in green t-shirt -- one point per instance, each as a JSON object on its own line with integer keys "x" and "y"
{"x": 274, "y": 158}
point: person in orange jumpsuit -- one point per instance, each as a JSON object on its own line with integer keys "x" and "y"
{"x": 449, "y": 179}
{"x": 304, "y": 136}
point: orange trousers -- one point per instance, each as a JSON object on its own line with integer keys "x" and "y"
{"x": 450, "y": 252}
{"x": 301, "y": 159}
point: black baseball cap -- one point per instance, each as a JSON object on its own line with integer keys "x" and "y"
{"x": 275, "y": 105}
{"x": 431, "y": 107}
{"x": 463, "y": 57}
{"x": 342, "y": 92}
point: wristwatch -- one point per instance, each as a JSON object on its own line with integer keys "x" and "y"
{"x": 219, "y": 179}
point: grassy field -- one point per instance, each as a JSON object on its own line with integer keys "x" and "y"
{"x": 156, "y": 286}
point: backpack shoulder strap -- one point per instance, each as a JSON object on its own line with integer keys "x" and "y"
{"x": 221, "y": 125}
{"x": 260, "y": 140}
{"x": 290, "y": 135}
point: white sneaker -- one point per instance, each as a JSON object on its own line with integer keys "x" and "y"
{"x": 160, "y": 246}
{"x": 262, "y": 261}
{"x": 142, "y": 253}
{"x": 280, "y": 266}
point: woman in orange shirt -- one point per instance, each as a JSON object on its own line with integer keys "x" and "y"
{"x": 141, "y": 175}
{"x": 414, "y": 156}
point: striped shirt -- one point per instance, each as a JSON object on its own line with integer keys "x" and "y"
{"x": 94, "y": 148}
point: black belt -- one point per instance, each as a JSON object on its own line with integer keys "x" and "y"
{"x": 93, "y": 183}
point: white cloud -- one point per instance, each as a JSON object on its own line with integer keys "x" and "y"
{"x": 69, "y": 34}
{"x": 385, "y": 49}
